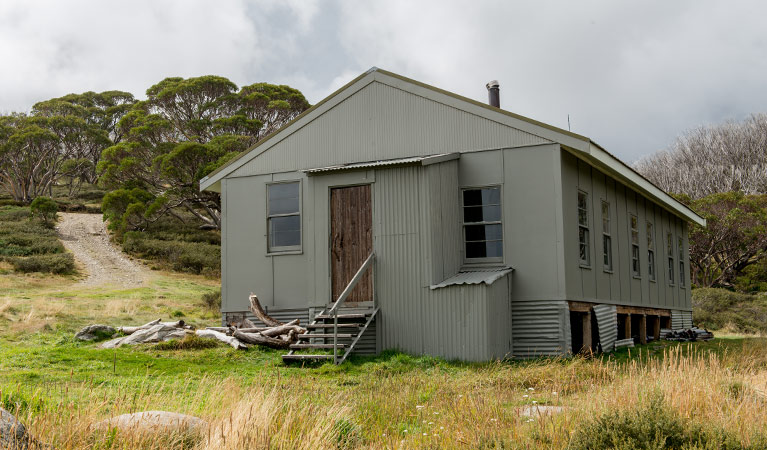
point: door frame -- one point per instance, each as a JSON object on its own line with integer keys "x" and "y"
{"x": 329, "y": 239}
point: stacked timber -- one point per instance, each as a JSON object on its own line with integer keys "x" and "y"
{"x": 688, "y": 335}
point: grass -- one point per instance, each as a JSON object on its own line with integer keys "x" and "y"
{"x": 59, "y": 386}
{"x": 721, "y": 309}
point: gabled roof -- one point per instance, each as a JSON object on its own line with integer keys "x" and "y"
{"x": 580, "y": 146}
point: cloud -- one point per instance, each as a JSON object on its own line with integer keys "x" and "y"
{"x": 631, "y": 75}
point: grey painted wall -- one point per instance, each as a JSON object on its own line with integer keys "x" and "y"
{"x": 594, "y": 283}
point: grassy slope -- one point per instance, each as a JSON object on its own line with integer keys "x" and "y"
{"x": 393, "y": 400}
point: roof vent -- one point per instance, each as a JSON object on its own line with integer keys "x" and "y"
{"x": 493, "y": 94}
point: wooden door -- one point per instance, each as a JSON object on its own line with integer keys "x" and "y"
{"x": 351, "y": 240}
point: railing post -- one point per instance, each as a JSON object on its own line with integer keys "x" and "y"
{"x": 335, "y": 336}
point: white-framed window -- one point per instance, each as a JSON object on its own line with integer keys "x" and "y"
{"x": 635, "y": 263}
{"x": 680, "y": 249}
{"x": 283, "y": 206}
{"x": 584, "y": 254}
{"x": 670, "y": 256}
{"x": 651, "y": 251}
{"x": 607, "y": 243}
{"x": 482, "y": 226}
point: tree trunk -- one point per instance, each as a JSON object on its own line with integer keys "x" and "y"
{"x": 231, "y": 340}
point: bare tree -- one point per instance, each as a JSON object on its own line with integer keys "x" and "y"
{"x": 728, "y": 157}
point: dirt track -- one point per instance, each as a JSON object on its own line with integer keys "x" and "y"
{"x": 86, "y": 237}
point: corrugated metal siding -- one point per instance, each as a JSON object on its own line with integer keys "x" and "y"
{"x": 607, "y": 320}
{"x": 681, "y": 319}
{"x": 443, "y": 219}
{"x": 540, "y": 328}
{"x": 382, "y": 122}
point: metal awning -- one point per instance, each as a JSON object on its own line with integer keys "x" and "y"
{"x": 487, "y": 275}
{"x": 413, "y": 160}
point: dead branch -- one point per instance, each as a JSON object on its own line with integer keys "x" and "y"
{"x": 233, "y": 341}
{"x": 258, "y": 311}
{"x": 259, "y": 339}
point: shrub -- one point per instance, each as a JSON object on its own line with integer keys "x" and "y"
{"x": 58, "y": 263}
{"x": 720, "y": 308}
{"x": 45, "y": 209}
{"x": 13, "y": 213}
{"x": 194, "y": 257}
{"x": 212, "y": 300}
{"x": 652, "y": 426}
{"x": 189, "y": 342}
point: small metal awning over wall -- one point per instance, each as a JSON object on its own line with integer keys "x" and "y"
{"x": 476, "y": 276}
{"x": 413, "y": 160}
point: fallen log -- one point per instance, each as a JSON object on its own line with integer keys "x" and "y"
{"x": 258, "y": 311}
{"x": 283, "y": 329}
{"x": 231, "y": 340}
{"x": 131, "y": 330}
{"x": 157, "y": 333}
{"x": 259, "y": 339}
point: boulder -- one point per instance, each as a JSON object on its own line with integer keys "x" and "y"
{"x": 13, "y": 434}
{"x": 153, "y": 421}
{"x": 95, "y": 333}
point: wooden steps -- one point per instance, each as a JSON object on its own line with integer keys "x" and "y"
{"x": 316, "y": 346}
{"x": 325, "y": 335}
{"x": 354, "y": 322}
{"x": 330, "y": 325}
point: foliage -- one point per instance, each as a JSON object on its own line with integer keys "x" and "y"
{"x": 654, "y": 426}
{"x": 212, "y": 300}
{"x": 722, "y": 309}
{"x": 734, "y": 238}
{"x": 179, "y": 247}
{"x": 31, "y": 246}
{"x": 186, "y": 129}
{"x": 45, "y": 209}
{"x": 189, "y": 342}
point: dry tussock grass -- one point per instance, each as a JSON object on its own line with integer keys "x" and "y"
{"x": 476, "y": 409}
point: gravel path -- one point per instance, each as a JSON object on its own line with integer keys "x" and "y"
{"x": 86, "y": 237}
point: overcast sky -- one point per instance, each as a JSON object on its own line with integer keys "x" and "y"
{"x": 632, "y": 75}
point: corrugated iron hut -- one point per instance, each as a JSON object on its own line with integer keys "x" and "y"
{"x": 466, "y": 231}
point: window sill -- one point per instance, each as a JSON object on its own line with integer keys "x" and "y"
{"x": 286, "y": 252}
{"x": 610, "y": 271}
{"x": 636, "y": 277}
{"x": 584, "y": 266}
{"x": 653, "y": 281}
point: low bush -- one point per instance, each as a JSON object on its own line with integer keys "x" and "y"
{"x": 31, "y": 245}
{"x": 179, "y": 255}
{"x": 719, "y": 308}
{"x": 189, "y": 342}
{"x": 653, "y": 426}
{"x": 212, "y": 300}
{"x": 45, "y": 209}
{"x": 58, "y": 263}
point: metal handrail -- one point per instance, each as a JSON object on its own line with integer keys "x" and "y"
{"x": 342, "y": 298}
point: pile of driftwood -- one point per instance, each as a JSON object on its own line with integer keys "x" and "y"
{"x": 275, "y": 334}
{"x": 689, "y": 335}
{"x": 238, "y": 335}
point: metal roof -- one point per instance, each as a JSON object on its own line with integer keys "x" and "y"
{"x": 475, "y": 276}
{"x": 422, "y": 160}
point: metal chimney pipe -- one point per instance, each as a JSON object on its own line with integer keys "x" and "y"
{"x": 493, "y": 93}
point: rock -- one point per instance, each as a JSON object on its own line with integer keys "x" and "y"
{"x": 95, "y": 333}
{"x": 153, "y": 421}
{"x": 13, "y": 434}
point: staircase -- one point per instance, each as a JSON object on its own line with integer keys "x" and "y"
{"x": 338, "y": 327}
{"x": 323, "y": 331}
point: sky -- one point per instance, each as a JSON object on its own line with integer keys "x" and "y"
{"x": 631, "y": 75}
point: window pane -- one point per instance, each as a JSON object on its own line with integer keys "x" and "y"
{"x": 650, "y": 235}
{"x": 583, "y": 241}
{"x": 283, "y": 198}
{"x": 477, "y": 197}
{"x": 607, "y": 252}
{"x": 482, "y": 214}
{"x": 605, "y": 217}
{"x": 285, "y": 231}
{"x": 583, "y": 217}
{"x": 484, "y": 232}
{"x": 490, "y": 249}
{"x": 582, "y": 200}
